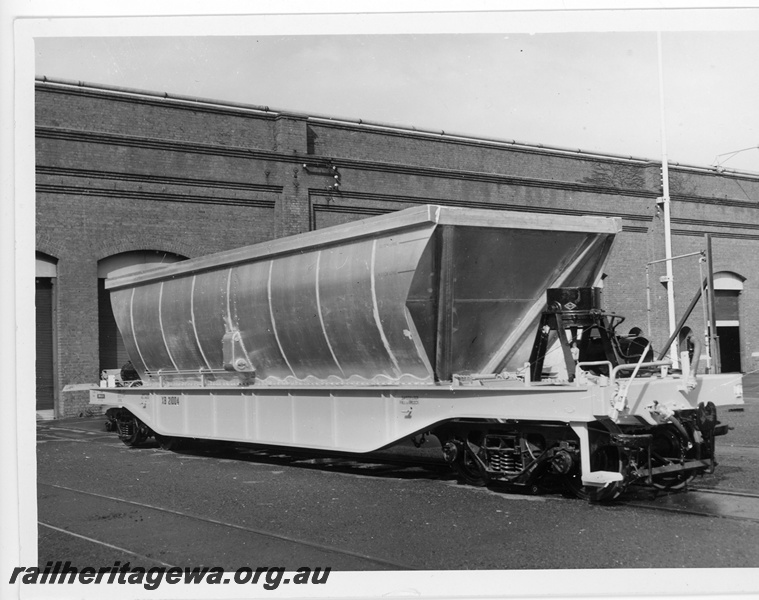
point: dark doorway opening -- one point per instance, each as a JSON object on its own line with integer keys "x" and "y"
{"x": 726, "y": 305}
{"x": 729, "y": 348}
{"x": 44, "y": 343}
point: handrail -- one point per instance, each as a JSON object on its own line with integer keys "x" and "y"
{"x": 203, "y": 371}
{"x": 596, "y": 363}
{"x": 632, "y": 366}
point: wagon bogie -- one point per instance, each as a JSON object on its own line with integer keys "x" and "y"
{"x": 131, "y": 430}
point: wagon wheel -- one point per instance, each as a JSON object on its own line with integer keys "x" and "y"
{"x": 603, "y": 457}
{"x": 670, "y": 446}
{"x": 467, "y": 467}
{"x": 132, "y": 431}
{"x": 469, "y": 470}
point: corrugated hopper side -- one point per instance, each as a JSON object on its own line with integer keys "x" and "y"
{"x": 408, "y": 297}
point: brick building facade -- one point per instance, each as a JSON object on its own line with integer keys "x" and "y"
{"x": 125, "y": 176}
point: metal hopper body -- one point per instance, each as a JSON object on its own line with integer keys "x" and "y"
{"x": 410, "y": 297}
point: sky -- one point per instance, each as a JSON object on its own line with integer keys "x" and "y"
{"x": 594, "y": 91}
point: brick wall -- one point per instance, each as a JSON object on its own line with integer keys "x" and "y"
{"x": 118, "y": 172}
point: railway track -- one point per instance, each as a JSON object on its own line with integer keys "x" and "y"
{"x": 705, "y": 502}
{"x": 102, "y": 507}
{"x": 151, "y": 512}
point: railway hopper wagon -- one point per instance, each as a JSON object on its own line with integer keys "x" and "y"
{"x": 481, "y": 328}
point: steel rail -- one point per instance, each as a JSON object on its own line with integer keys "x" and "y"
{"x": 737, "y": 493}
{"x": 101, "y": 543}
{"x": 701, "y": 511}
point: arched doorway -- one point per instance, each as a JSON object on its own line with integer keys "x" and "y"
{"x": 727, "y": 290}
{"x": 112, "y": 351}
{"x": 45, "y": 275}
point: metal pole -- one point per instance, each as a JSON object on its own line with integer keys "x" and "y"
{"x": 666, "y": 208}
{"x": 713, "y": 338}
{"x": 707, "y": 343}
{"x": 661, "y": 260}
{"x": 648, "y": 302}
